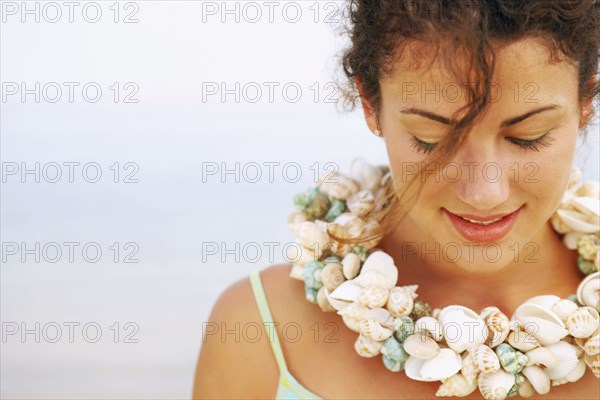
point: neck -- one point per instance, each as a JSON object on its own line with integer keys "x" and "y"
{"x": 554, "y": 271}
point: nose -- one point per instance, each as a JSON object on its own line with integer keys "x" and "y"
{"x": 484, "y": 184}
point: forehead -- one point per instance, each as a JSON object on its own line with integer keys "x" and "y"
{"x": 523, "y": 73}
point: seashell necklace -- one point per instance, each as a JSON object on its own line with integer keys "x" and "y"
{"x": 548, "y": 341}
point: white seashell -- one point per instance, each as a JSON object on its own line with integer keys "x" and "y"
{"x": 594, "y": 363}
{"x": 566, "y": 360}
{"x": 526, "y": 390}
{"x": 332, "y": 276}
{"x": 486, "y": 359}
{"x": 401, "y": 300}
{"x": 323, "y": 301}
{"x": 583, "y": 322}
{"x": 373, "y": 278}
{"x": 380, "y": 315}
{"x": 570, "y": 239}
{"x": 296, "y": 272}
{"x": 522, "y": 340}
{"x": 547, "y": 300}
{"x": 589, "y": 189}
{"x": 337, "y": 185}
{"x": 588, "y": 292}
{"x": 344, "y": 294}
{"x": 350, "y": 265}
{"x": 542, "y": 323}
{"x": 373, "y": 330}
{"x": 495, "y": 386}
{"x": 586, "y": 205}
{"x": 577, "y": 221}
{"x": 313, "y": 236}
{"x": 538, "y": 378}
{"x": 373, "y": 296}
{"x": 301, "y": 256}
{"x": 361, "y": 203}
{"x": 463, "y": 328}
{"x": 469, "y": 368}
{"x": 352, "y": 315}
{"x": 577, "y": 372}
{"x": 592, "y": 345}
{"x": 498, "y": 325}
{"x": 456, "y": 386}
{"x": 295, "y": 220}
{"x": 563, "y": 308}
{"x": 382, "y": 263}
{"x": 369, "y": 176}
{"x": 366, "y": 347}
{"x": 421, "y": 346}
{"x": 442, "y": 366}
{"x": 431, "y": 326}
{"x": 541, "y": 356}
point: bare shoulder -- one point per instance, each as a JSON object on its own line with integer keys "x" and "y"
{"x": 234, "y": 342}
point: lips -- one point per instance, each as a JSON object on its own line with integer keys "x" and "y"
{"x": 483, "y": 229}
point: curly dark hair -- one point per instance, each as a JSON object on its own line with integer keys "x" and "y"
{"x": 381, "y": 30}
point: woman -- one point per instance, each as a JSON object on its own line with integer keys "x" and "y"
{"x": 479, "y": 104}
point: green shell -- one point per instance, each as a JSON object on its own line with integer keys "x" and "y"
{"x": 420, "y": 309}
{"x": 336, "y": 208}
{"x": 573, "y": 298}
{"x": 332, "y": 260}
{"x": 587, "y": 246}
{"x": 311, "y": 294}
{"x": 361, "y": 252}
{"x": 393, "y": 365}
{"x": 585, "y": 266}
{"x": 512, "y": 360}
{"x": 405, "y": 330}
{"x": 311, "y": 274}
{"x": 519, "y": 379}
{"x": 394, "y": 350}
{"x": 313, "y": 203}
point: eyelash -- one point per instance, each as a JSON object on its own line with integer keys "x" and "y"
{"x": 544, "y": 141}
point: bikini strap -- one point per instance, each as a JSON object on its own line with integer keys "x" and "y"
{"x": 265, "y": 313}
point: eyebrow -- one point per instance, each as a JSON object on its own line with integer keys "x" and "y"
{"x": 504, "y": 124}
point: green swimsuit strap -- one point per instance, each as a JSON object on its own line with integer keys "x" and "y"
{"x": 265, "y": 313}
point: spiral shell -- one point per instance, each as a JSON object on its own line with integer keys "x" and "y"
{"x": 456, "y": 386}
{"x": 486, "y": 360}
{"x": 352, "y": 315}
{"x": 367, "y": 175}
{"x": 366, "y": 347}
{"x": 373, "y": 330}
{"x": 361, "y": 203}
{"x": 498, "y": 325}
{"x": 338, "y": 185}
{"x": 582, "y": 322}
{"x": 313, "y": 236}
{"x": 401, "y": 300}
{"x": 495, "y": 386}
{"x": 323, "y": 302}
{"x": 332, "y": 276}
{"x": 563, "y": 308}
{"x": 588, "y": 292}
{"x": 469, "y": 369}
{"x": 405, "y": 329}
{"x": 394, "y": 350}
{"x": 512, "y": 360}
{"x": 312, "y": 203}
{"x": 373, "y": 297}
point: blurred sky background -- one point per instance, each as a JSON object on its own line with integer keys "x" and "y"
{"x": 163, "y": 141}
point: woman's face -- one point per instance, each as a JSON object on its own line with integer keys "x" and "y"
{"x": 514, "y": 165}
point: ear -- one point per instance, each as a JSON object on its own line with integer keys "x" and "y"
{"x": 368, "y": 109}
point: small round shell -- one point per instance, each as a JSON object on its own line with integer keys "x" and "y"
{"x": 582, "y": 322}
{"x": 351, "y": 265}
{"x": 563, "y": 308}
{"x": 421, "y": 346}
{"x": 495, "y": 386}
{"x": 430, "y": 326}
{"x": 366, "y": 347}
{"x": 373, "y": 297}
{"x": 323, "y": 302}
{"x": 588, "y": 292}
{"x": 332, "y": 276}
{"x": 401, "y": 300}
{"x": 337, "y": 185}
{"x": 361, "y": 203}
{"x": 486, "y": 360}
